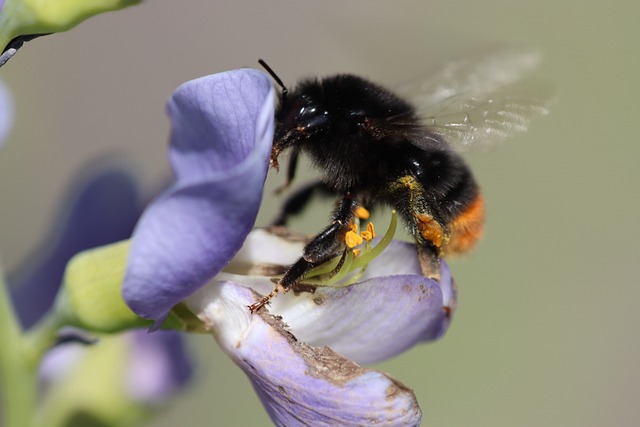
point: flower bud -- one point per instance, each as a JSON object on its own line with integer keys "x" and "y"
{"x": 92, "y": 291}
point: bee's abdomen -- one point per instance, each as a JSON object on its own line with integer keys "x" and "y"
{"x": 466, "y": 228}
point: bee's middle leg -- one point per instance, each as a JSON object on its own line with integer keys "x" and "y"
{"x": 298, "y": 200}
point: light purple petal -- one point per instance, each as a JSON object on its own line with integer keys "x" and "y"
{"x": 6, "y": 112}
{"x": 220, "y": 146}
{"x": 157, "y": 365}
{"x": 371, "y": 321}
{"x": 59, "y": 362}
{"x": 299, "y": 384}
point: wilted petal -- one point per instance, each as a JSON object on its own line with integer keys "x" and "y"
{"x": 220, "y": 146}
{"x": 300, "y": 384}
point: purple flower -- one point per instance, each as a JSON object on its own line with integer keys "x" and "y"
{"x": 301, "y": 361}
{"x": 194, "y": 244}
{"x": 101, "y": 210}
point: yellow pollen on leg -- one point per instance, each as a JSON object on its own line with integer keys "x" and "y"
{"x": 430, "y": 229}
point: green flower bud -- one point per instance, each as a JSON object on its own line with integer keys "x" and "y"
{"x": 29, "y": 17}
{"x": 91, "y": 297}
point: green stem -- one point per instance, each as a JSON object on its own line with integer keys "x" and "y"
{"x": 17, "y": 374}
{"x": 42, "y": 337}
{"x": 20, "y": 355}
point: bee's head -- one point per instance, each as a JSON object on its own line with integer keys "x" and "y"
{"x": 298, "y": 115}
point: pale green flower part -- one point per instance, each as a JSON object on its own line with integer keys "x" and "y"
{"x": 20, "y": 19}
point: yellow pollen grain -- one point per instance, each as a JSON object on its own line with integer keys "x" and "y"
{"x": 362, "y": 213}
{"x": 409, "y": 182}
{"x": 356, "y": 252}
{"x": 352, "y": 239}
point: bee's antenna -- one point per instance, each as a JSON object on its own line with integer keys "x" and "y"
{"x": 275, "y": 77}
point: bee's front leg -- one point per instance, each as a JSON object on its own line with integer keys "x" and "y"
{"x": 291, "y": 170}
{"x": 326, "y": 245}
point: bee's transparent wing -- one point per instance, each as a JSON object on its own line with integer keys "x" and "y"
{"x": 482, "y": 102}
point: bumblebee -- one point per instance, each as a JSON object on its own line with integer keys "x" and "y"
{"x": 372, "y": 147}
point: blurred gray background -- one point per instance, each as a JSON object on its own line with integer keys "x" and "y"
{"x": 546, "y": 330}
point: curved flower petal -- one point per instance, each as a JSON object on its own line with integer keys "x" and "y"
{"x": 220, "y": 147}
{"x": 6, "y": 112}
{"x": 371, "y": 321}
{"x": 391, "y": 309}
{"x": 299, "y": 384}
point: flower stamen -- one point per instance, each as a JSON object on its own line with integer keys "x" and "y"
{"x": 361, "y": 213}
{"x": 352, "y": 239}
{"x": 369, "y": 233}
{"x": 335, "y": 270}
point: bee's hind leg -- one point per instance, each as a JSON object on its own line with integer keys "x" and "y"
{"x": 429, "y": 261}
